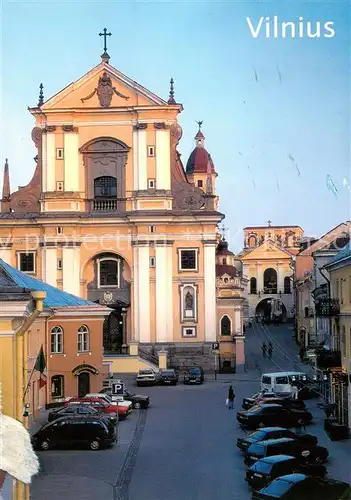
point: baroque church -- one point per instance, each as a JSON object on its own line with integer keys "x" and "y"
{"x": 112, "y": 215}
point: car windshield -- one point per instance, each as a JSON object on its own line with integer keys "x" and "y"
{"x": 258, "y": 435}
{"x": 266, "y": 380}
{"x": 262, "y": 467}
{"x": 146, "y": 372}
{"x": 167, "y": 372}
{"x": 277, "y": 488}
{"x": 194, "y": 371}
{"x": 257, "y": 449}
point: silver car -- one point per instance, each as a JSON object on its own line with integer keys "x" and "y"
{"x": 147, "y": 376}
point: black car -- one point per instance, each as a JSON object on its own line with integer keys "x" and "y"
{"x": 290, "y": 403}
{"x": 168, "y": 377}
{"x": 138, "y": 401}
{"x": 80, "y": 410}
{"x": 267, "y": 469}
{"x": 306, "y": 453}
{"x": 302, "y": 487}
{"x": 273, "y": 433}
{"x": 75, "y": 432}
{"x": 194, "y": 375}
{"x": 272, "y": 415}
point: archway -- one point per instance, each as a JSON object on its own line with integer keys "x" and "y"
{"x": 114, "y": 331}
{"x": 270, "y": 281}
{"x": 269, "y": 309}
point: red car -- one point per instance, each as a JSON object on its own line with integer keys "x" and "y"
{"x": 101, "y": 405}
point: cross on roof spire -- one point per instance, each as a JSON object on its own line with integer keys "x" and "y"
{"x": 223, "y": 231}
{"x": 269, "y": 223}
{"x": 200, "y": 124}
{"x": 105, "y": 35}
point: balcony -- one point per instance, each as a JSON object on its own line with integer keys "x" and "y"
{"x": 327, "y": 307}
{"x": 328, "y": 359}
{"x": 104, "y": 205}
{"x": 270, "y": 290}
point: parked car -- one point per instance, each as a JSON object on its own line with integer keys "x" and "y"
{"x": 194, "y": 375}
{"x": 249, "y": 402}
{"x": 168, "y": 377}
{"x": 286, "y": 446}
{"x": 272, "y": 415}
{"x": 101, "y": 405}
{"x": 75, "y": 431}
{"x": 121, "y": 403}
{"x": 137, "y": 400}
{"x": 267, "y": 469}
{"x": 302, "y": 487}
{"x": 147, "y": 377}
{"x": 273, "y": 433}
{"x": 287, "y": 402}
{"x": 80, "y": 410}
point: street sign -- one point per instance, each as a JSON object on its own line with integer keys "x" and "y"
{"x": 215, "y": 346}
{"x": 117, "y": 388}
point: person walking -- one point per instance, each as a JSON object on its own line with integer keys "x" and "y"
{"x": 270, "y": 350}
{"x": 264, "y": 349}
{"x": 231, "y": 396}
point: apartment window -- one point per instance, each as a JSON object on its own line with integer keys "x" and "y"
{"x": 26, "y": 262}
{"x": 59, "y": 230}
{"x": 59, "y": 264}
{"x": 152, "y": 229}
{"x": 108, "y": 272}
{"x": 151, "y": 183}
{"x": 59, "y": 186}
{"x": 188, "y": 260}
{"x": 57, "y": 386}
{"x": 83, "y": 339}
{"x": 189, "y": 331}
{"x": 152, "y": 262}
{"x": 151, "y": 150}
{"x": 57, "y": 340}
{"x": 59, "y": 153}
{"x": 200, "y": 183}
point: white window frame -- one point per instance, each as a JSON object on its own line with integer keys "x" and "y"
{"x": 60, "y": 186}
{"x": 152, "y": 261}
{"x": 60, "y": 153}
{"x": 152, "y": 229}
{"x": 59, "y": 264}
{"x": 58, "y": 333}
{"x": 151, "y": 183}
{"x": 98, "y": 261}
{"x": 193, "y": 335}
{"x": 180, "y": 269}
{"x": 183, "y": 290}
{"x": 59, "y": 230}
{"x": 34, "y": 261}
{"x": 151, "y": 150}
{"x": 83, "y": 338}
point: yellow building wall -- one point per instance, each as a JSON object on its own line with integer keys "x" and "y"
{"x": 340, "y": 283}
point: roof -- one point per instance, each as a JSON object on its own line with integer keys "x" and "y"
{"x": 292, "y": 478}
{"x": 275, "y": 441}
{"x": 339, "y": 257}
{"x": 11, "y": 291}
{"x": 54, "y": 296}
{"x": 200, "y": 161}
{"x": 222, "y": 269}
{"x": 270, "y": 227}
{"x": 277, "y": 458}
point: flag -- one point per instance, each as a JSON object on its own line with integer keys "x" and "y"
{"x": 40, "y": 366}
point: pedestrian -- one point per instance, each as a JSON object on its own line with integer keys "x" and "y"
{"x": 270, "y": 352}
{"x": 294, "y": 392}
{"x": 231, "y": 396}
{"x": 302, "y": 354}
{"x": 264, "y": 349}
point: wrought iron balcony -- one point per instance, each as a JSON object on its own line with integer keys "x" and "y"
{"x": 328, "y": 359}
{"x": 327, "y": 307}
{"x": 104, "y": 205}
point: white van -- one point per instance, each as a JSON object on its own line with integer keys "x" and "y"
{"x": 281, "y": 382}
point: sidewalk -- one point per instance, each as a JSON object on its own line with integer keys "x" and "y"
{"x": 41, "y": 419}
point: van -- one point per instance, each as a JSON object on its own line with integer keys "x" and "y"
{"x": 282, "y": 382}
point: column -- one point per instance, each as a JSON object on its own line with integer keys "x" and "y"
{"x": 164, "y": 292}
{"x": 71, "y": 270}
{"x": 240, "y": 353}
{"x": 44, "y": 162}
{"x": 135, "y": 161}
{"x": 49, "y": 262}
{"x": 280, "y": 279}
{"x": 259, "y": 278}
{"x": 237, "y": 322}
{"x": 135, "y": 295}
{"x": 210, "y": 291}
{"x": 5, "y": 254}
{"x": 143, "y": 291}
{"x": 50, "y": 162}
{"x": 71, "y": 161}
{"x": 163, "y": 159}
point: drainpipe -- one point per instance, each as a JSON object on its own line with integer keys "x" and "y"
{"x": 21, "y": 490}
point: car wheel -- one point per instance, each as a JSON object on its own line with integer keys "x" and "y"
{"x": 137, "y": 406}
{"x": 44, "y": 445}
{"x": 94, "y": 445}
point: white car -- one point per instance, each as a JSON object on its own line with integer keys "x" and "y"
{"x": 147, "y": 377}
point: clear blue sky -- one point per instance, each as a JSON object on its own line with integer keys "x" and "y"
{"x": 251, "y": 127}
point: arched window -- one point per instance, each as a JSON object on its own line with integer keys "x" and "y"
{"x": 287, "y": 285}
{"x": 270, "y": 280}
{"x": 252, "y": 241}
{"x": 57, "y": 386}
{"x": 226, "y": 325}
{"x": 108, "y": 272}
{"x": 105, "y": 187}
{"x": 83, "y": 339}
{"x": 253, "y": 285}
{"x": 56, "y": 340}
{"x": 224, "y": 261}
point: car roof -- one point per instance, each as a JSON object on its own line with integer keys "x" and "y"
{"x": 277, "y": 458}
{"x": 281, "y": 374}
{"x": 271, "y": 429}
{"x": 272, "y": 405}
{"x": 276, "y": 441}
{"x": 293, "y": 478}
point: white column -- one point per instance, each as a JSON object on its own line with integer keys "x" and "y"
{"x": 49, "y": 262}
{"x": 71, "y": 159}
{"x": 135, "y": 332}
{"x": 210, "y": 291}
{"x": 5, "y": 255}
{"x": 163, "y": 159}
{"x": 71, "y": 270}
{"x": 280, "y": 279}
{"x": 50, "y": 162}
{"x": 259, "y": 278}
{"x": 142, "y": 160}
{"x": 164, "y": 293}
{"x": 238, "y": 326}
{"x": 135, "y": 161}
{"x": 144, "y": 293}
{"x": 44, "y": 163}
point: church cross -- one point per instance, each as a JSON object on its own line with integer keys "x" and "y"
{"x": 200, "y": 124}
{"x": 105, "y": 35}
{"x": 223, "y": 231}
{"x": 269, "y": 223}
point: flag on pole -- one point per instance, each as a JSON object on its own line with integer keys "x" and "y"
{"x": 40, "y": 366}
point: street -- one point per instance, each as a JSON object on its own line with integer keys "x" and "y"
{"x": 184, "y": 445}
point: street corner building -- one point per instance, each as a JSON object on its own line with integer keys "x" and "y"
{"x": 50, "y": 345}
{"x": 111, "y": 215}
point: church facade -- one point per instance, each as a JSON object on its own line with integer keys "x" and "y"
{"x": 112, "y": 216}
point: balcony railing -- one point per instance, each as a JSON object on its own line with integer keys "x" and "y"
{"x": 104, "y": 205}
{"x": 270, "y": 290}
{"x": 327, "y": 307}
{"x": 329, "y": 359}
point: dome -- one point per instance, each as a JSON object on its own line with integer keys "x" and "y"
{"x": 200, "y": 161}
{"x": 222, "y": 248}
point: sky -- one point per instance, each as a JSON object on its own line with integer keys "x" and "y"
{"x": 276, "y": 112}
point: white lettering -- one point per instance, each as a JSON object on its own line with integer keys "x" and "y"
{"x": 288, "y": 25}
{"x": 301, "y": 27}
{"x": 290, "y": 29}
{"x": 317, "y": 34}
{"x": 255, "y": 32}
{"x": 328, "y": 27}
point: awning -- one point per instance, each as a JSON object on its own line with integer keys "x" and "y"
{"x": 85, "y": 368}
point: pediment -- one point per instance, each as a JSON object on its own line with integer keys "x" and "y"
{"x": 267, "y": 250}
{"x": 102, "y": 87}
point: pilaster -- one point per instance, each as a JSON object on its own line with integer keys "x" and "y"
{"x": 49, "y": 263}
{"x": 71, "y": 269}
{"x": 163, "y": 158}
{"x": 210, "y": 290}
{"x": 142, "y": 328}
{"x": 71, "y": 159}
{"x": 164, "y": 291}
